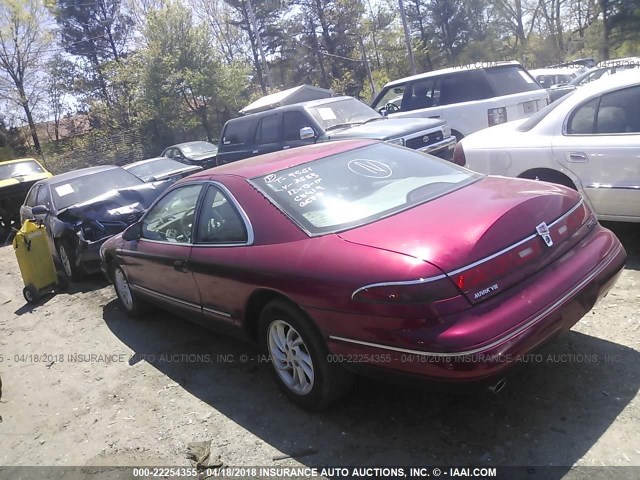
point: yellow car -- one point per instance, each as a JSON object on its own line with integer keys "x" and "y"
{"x": 16, "y": 178}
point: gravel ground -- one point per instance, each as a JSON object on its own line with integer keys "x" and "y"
{"x": 85, "y": 385}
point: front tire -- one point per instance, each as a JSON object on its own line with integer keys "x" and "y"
{"x": 68, "y": 261}
{"x": 134, "y": 307}
{"x": 299, "y": 358}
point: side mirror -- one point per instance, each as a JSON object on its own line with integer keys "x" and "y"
{"x": 39, "y": 210}
{"x": 133, "y": 232}
{"x": 384, "y": 112}
{"x": 307, "y": 132}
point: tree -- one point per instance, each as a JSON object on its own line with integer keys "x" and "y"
{"x": 267, "y": 15}
{"x": 183, "y": 78}
{"x": 23, "y": 45}
{"x": 96, "y": 31}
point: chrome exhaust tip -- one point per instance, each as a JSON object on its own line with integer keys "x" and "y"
{"x": 498, "y": 386}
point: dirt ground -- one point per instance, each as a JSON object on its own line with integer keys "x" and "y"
{"x": 84, "y": 385}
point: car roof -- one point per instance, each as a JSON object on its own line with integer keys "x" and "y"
{"x": 79, "y": 173}
{"x": 553, "y": 71}
{"x": 617, "y": 62}
{"x": 294, "y": 106}
{"x": 470, "y": 66}
{"x": 621, "y": 79}
{"x": 273, "y": 162}
{"x": 148, "y": 160}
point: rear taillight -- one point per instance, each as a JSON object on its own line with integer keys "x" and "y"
{"x": 458, "y": 155}
{"x": 414, "y": 291}
{"x": 496, "y": 116}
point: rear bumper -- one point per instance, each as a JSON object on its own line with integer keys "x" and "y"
{"x": 471, "y": 361}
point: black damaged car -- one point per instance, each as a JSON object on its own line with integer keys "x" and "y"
{"x": 83, "y": 208}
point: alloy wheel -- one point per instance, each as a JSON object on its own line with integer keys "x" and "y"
{"x": 291, "y": 357}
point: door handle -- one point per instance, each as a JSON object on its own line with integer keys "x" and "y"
{"x": 578, "y": 157}
{"x": 180, "y": 266}
{"x": 255, "y": 151}
{"x": 286, "y": 147}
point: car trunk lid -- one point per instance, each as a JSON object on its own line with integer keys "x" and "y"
{"x": 487, "y": 236}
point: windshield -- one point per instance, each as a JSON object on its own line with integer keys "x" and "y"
{"x": 198, "y": 147}
{"x": 155, "y": 167}
{"x": 536, "y": 118}
{"x": 82, "y": 189}
{"x": 342, "y": 112}
{"x": 19, "y": 169}
{"x": 360, "y": 186}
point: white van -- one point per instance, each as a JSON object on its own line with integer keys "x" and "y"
{"x": 469, "y": 98}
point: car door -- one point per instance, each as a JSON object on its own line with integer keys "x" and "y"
{"x": 268, "y": 136}
{"x": 600, "y": 146}
{"x": 422, "y": 96}
{"x": 292, "y": 122}
{"x": 223, "y": 235}
{"x": 158, "y": 263}
{"x": 29, "y": 203}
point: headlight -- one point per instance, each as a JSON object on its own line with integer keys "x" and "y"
{"x": 446, "y": 131}
{"x": 396, "y": 141}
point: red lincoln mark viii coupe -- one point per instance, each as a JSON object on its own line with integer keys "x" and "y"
{"x": 360, "y": 254}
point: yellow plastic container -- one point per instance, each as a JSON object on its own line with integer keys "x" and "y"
{"x": 35, "y": 261}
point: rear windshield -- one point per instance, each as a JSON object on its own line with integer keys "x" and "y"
{"x": 82, "y": 189}
{"x": 537, "y": 117}
{"x": 19, "y": 169}
{"x": 155, "y": 167}
{"x": 360, "y": 186}
{"x": 510, "y": 79}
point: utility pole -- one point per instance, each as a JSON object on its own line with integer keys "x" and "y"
{"x": 407, "y": 37}
{"x": 254, "y": 25}
{"x": 366, "y": 62}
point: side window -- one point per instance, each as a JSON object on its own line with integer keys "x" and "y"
{"x": 170, "y": 152}
{"x": 583, "y": 118}
{"x": 171, "y": 219}
{"x": 268, "y": 131}
{"x": 464, "y": 87}
{"x": 392, "y": 96}
{"x": 30, "y": 201}
{"x": 219, "y": 221}
{"x": 618, "y": 112}
{"x": 42, "y": 197}
{"x": 422, "y": 94}
{"x": 292, "y": 122}
{"x": 235, "y": 132}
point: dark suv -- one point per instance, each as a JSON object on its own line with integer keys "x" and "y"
{"x": 328, "y": 119}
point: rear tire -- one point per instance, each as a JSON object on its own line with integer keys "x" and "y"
{"x": 551, "y": 177}
{"x": 134, "y": 306}
{"x": 299, "y": 358}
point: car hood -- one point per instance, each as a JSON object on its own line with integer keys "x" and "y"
{"x": 178, "y": 173}
{"x": 469, "y": 224}
{"x": 385, "y": 128}
{"x": 7, "y": 182}
{"x": 202, "y": 156}
{"x": 125, "y": 205}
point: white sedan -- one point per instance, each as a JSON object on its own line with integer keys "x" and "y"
{"x": 588, "y": 140}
